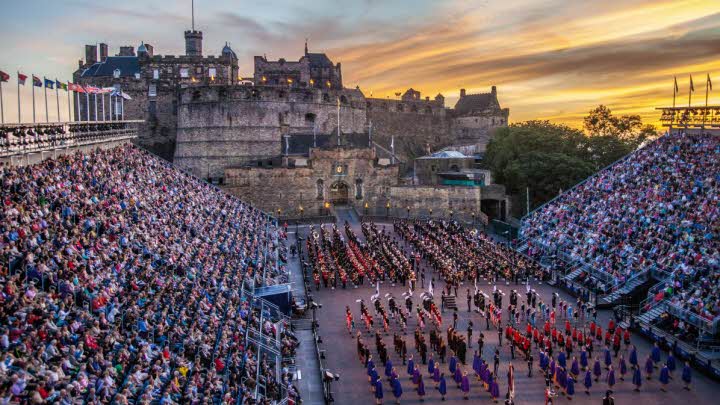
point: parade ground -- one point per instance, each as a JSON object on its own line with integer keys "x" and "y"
{"x": 353, "y": 386}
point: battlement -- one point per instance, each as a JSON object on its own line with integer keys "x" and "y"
{"x": 204, "y": 93}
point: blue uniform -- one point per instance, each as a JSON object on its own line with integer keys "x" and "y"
{"x": 611, "y": 378}
{"x": 562, "y": 360}
{"x": 452, "y": 364}
{"x": 583, "y": 359}
{"x": 588, "y": 380}
{"x": 687, "y": 374}
{"x": 664, "y": 375}
{"x": 608, "y": 358}
{"x": 431, "y": 366}
{"x": 397, "y": 388}
{"x": 575, "y": 368}
{"x": 637, "y": 377}
{"x": 378, "y": 389}
{"x": 410, "y": 367}
{"x": 570, "y": 383}
{"x": 388, "y": 368}
{"x": 633, "y": 357}
{"x": 670, "y": 363}
{"x": 655, "y": 354}
{"x": 443, "y": 386}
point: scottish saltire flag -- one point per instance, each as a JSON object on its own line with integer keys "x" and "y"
{"x": 50, "y": 84}
{"x": 36, "y": 81}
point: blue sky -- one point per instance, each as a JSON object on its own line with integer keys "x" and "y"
{"x": 551, "y": 59}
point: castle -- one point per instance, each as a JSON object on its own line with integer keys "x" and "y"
{"x": 195, "y": 103}
{"x": 201, "y": 114}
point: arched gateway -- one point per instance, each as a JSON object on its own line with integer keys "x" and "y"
{"x": 339, "y": 193}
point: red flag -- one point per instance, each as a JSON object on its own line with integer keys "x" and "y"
{"x": 76, "y": 87}
{"x": 4, "y": 76}
{"x": 21, "y": 78}
{"x": 92, "y": 90}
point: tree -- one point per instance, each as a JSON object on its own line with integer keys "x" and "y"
{"x": 548, "y": 157}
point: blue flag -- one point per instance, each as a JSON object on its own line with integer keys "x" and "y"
{"x": 50, "y": 84}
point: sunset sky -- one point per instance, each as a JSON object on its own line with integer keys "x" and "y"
{"x": 551, "y": 59}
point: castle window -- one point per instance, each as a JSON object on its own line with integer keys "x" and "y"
{"x": 156, "y": 74}
{"x": 152, "y": 90}
{"x": 310, "y": 118}
{"x": 358, "y": 189}
{"x": 326, "y": 98}
{"x": 184, "y": 73}
{"x": 198, "y": 70}
{"x": 343, "y": 99}
{"x": 281, "y": 94}
{"x": 400, "y": 108}
{"x": 212, "y": 72}
{"x": 320, "y": 189}
{"x": 454, "y": 168}
{"x": 196, "y": 95}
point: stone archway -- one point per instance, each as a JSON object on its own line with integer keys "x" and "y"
{"x": 339, "y": 193}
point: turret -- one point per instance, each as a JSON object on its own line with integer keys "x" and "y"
{"x": 193, "y": 43}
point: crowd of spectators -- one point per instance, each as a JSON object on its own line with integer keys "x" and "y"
{"x": 658, "y": 209}
{"x": 122, "y": 281}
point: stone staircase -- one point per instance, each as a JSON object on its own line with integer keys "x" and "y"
{"x": 450, "y": 302}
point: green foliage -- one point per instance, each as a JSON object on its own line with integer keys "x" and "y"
{"x": 550, "y": 157}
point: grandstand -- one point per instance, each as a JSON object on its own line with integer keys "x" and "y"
{"x": 125, "y": 280}
{"x": 643, "y": 234}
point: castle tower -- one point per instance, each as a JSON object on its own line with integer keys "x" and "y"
{"x": 193, "y": 43}
{"x": 193, "y": 39}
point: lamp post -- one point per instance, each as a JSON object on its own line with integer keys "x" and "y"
{"x": 408, "y": 212}
{"x": 327, "y": 208}
{"x": 430, "y": 212}
{"x": 451, "y": 214}
{"x": 366, "y": 207}
{"x": 387, "y": 209}
{"x": 302, "y": 210}
{"x": 473, "y": 218}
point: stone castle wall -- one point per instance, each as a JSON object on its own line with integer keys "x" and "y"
{"x": 288, "y": 188}
{"x": 225, "y": 126}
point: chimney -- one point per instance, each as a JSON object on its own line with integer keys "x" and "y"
{"x": 493, "y": 90}
{"x": 462, "y": 92}
{"x": 80, "y": 63}
{"x": 90, "y": 54}
{"x": 103, "y": 52}
{"x": 127, "y": 51}
{"x": 193, "y": 43}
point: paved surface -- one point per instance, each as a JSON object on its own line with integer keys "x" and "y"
{"x": 353, "y": 387}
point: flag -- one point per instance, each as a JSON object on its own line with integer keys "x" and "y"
{"x": 50, "y": 84}
{"x": 21, "y": 78}
{"x": 76, "y": 87}
{"x": 36, "y": 81}
{"x": 60, "y": 85}
{"x": 677, "y": 89}
{"x": 5, "y": 77}
{"x": 692, "y": 86}
{"x": 709, "y": 82}
{"x": 92, "y": 90}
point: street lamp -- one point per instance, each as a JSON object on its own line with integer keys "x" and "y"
{"x": 302, "y": 210}
{"x": 327, "y": 208}
{"x": 451, "y": 214}
{"x": 408, "y": 212}
{"x": 430, "y": 212}
{"x": 278, "y": 212}
{"x": 366, "y": 207}
{"x": 473, "y": 218}
{"x": 387, "y": 209}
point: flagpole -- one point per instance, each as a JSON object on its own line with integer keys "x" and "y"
{"x": 122, "y": 108}
{"x": 102, "y": 97}
{"x": 57, "y": 98}
{"x": 78, "y": 109}
{"x": 2, "y": 107}
{"x": 19, "y": 116}
{"x": 69, "y": 113}
{"x": 47, "y": 116}
{"x": 338, "y": 120}
{"x": 33, "y": 94}
{"x": 87, "y": 104}
{"x": 707, "y": 89}
{"x": 96, "y": 115}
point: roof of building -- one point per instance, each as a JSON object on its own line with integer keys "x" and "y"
{"x": 445, "y": 154}
{"x": 228, "y": 51}
{"x": 128, "y": 66}
{"x": 475, "y": 102}
{"x": 319, "y": 60}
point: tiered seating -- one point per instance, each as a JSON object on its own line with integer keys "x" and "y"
{"x": 24, "y": 138}
{"x": 122, "y": 281}
{"x": 656, "y": 212}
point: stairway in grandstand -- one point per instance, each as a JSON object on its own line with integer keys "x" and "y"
{"x": 652, "y": 314}
{"x": 627, "y": 288}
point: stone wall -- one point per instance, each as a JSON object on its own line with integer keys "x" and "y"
{"x": 288, "y": 188}
{"x": 226, "y": 126}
